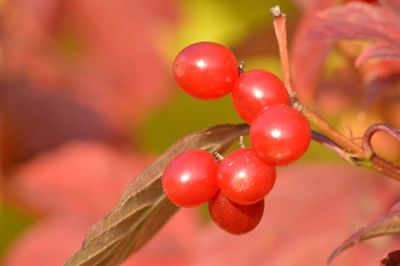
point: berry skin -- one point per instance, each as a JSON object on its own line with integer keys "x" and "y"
{"x": 256, "y": 89}
{"x": 234, "y": 218}
{"x": 205, "y": 70}
{"x": 280, "y": 134}
{"x": 190, "y": 179}
{"x": 244, "y": 178}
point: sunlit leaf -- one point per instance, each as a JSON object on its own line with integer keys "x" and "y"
{"x": 361, "y": 21}
{"x": 380, "y": 76}
{"x": 381, "y": 51}
{"x": 378, "y": 25}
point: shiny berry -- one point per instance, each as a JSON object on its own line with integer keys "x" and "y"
{"x": 190, "y": 179}
{"x": 235, "y": 218}
{"x": 256, "y": 89}
{"x": 280, "y": 134}
{"x": 244, "y": 178}
{"x": 205, "y": 70}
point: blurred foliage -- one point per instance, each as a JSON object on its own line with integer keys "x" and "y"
{"x": 244, "y": 26}
{"x": 223, "y": 21}
{"x": 335, "y": 61}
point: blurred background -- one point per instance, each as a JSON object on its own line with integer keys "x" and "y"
{"x": 87, "y": 100}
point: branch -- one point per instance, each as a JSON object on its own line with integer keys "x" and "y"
{"x": 281, "y": 36}
{"x": 326, "y": 134}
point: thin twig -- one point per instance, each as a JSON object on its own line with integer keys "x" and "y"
{"x": 377, "y": 163}
{"x": 281, "y": 36}
{"x": 324, "y": 127}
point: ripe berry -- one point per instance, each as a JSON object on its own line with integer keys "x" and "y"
{"x": 244, "y": 178}
{"x": 234, "y": 218}
{"x": 190, "y": 179}
{"x": 280, "y": 134}
{"x": 205, "y": 70}
{"x": 256, "y": 89}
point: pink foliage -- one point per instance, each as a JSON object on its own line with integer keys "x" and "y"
{"x": 101, "y": 53}
{"x": 296, "y": 229}
{"x": 79, "y": 75}
{"x": 324, "y": 24}
{"x": 85, "y": 179}
{"x": 72, "y": 187}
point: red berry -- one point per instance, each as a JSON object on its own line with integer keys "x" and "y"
{"x": 256, "y": 89}
{"x": 190, "y": 179}
{"x": 280, "y": 134}
{"x": 244, "y": 178}
{"x": 206, "y": 70}
{"x": 234, "y": 218}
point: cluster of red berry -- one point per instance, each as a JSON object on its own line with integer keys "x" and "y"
{"x": 236, "y": 186}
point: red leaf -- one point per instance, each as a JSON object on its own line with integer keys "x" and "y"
{"x": 82, "y": 178}
{"x": 310, "y": 209}
{"x": 47, "y": 243}
{"x": 376, "y": 23}
{"x": 36, "y": 121}
{"x": 52, "y": 241}
{"x": 105, "y": 51}
{"x": 380, "y": 76}
{"x": 306, "y": 68}
{"x": 304, "y": 5}
{"x": 358, "y": 21}
{"x": 386, "y": 225}
{"x": 362, "y": 21}
{"x": 379, "y": 51}
{"x": 392, "y": 4}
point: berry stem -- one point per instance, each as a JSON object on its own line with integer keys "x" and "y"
{"x": 327, "y": 135}
{"x": 241, "y": 142}
{"x": 218, "y": 156}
